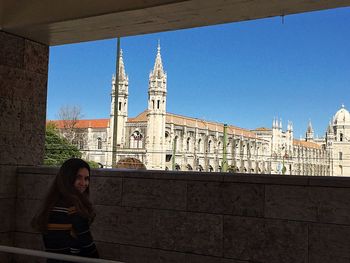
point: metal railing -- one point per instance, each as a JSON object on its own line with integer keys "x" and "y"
{"x": 43, "y": 254}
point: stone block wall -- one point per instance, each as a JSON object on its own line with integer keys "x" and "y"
{"x": 154, "y": 216}
{"x": 23, "y": 86}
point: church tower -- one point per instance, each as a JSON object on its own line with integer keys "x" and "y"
{"x": 122, "y": 104}
{"x": 309, "y": 133}
{"x": 329, "y": 134}
{"x": 156, "y": 116}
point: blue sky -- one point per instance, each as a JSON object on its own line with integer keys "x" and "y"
{"x": 243, "y": 74}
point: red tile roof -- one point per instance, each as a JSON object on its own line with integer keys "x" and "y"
{"x": 194, "y": 122}
{"x": 306, "y": 144}
{"x": 95, "y": 123}
{"x": 262, "y": 129}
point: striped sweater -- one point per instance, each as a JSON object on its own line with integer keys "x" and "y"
{"x": 68, "y": 233}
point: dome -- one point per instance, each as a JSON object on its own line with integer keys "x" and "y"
{"x": 342, "y": 117}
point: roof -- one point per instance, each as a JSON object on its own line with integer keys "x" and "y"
{"x": 71, "y": 21}
{"x": 210, "y": 125}
{"x": 262, "y": 129}
{"x": 342, "y": 117}
{"x": 82, "y": 124}
{"x": 199, "y": 123}
{"x": 182, "y": 121}
{"x": 306, "y": 144}
{"x": 142, "y": 117}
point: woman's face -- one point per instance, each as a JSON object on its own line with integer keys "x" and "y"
{"x": 82, "y": 180}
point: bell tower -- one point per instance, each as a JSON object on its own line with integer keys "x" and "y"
{"x": 156, "y": 115}
{"x": 122, "y": 104}
{"x": 309, "y": 133}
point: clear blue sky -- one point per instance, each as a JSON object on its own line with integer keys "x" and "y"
{"x": 243, "y": 74}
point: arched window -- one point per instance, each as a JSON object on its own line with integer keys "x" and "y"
{"x": 211, "y": 168}
{"x": 188, "y": 144}
{"x": 136, "y": 140}
{"x": 340, "y": 155}
{"x": 189, "y": 167}
{"x": 199, "y": 148}
{"x": 200, "y": 168}
{"x": 209, "y": 146}
{"x": 99, "y": 143}
{"x": 341, "y": 137}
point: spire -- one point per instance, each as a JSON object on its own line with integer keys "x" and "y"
{"x": 329, "y": 128}
{"x": 280, "y": 124}
{"x": 309, "y": 127}
{"x": 309, "y": 132}
{"x": 158, "y": 71}
{"x": 122, "y": 75}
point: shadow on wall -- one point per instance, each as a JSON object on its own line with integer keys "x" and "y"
{"x": 157, "y": 216}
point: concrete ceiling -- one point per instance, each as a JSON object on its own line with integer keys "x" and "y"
{"x": 56, "y": 22}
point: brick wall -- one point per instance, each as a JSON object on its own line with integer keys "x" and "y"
{"x": 155, "y": 216}
{"x": 23, "y": 79}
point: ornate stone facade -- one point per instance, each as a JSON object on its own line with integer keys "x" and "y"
{"x": 168, "y": 141}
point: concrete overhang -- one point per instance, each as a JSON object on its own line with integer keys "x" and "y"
{"x": 56, "y": 22}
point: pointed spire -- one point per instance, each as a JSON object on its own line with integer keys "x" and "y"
{"x": 158, "y": 71}
{"x": 275, "y": 122}
{"x": 329, "y": 128}
{"x": 309, "y": 127}
{"x": 122, "y": 75}
{"x": 280, "y": 124}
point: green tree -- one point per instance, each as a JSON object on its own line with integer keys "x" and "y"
{"x": 93, "y": 164}
{"x": 57, "y": 148}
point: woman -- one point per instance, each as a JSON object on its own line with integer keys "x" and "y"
{"x": 67, "y": 213}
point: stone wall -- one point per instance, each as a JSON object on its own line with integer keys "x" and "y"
{"x": 23, "y": 86}
{"x": 155, "y": 216}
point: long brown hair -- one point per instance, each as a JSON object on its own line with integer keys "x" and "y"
{"x": 63, "y": 190}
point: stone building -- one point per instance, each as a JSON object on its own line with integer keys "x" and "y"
{"x": 166, "y": 141}
{"x": 337, "y": 141}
